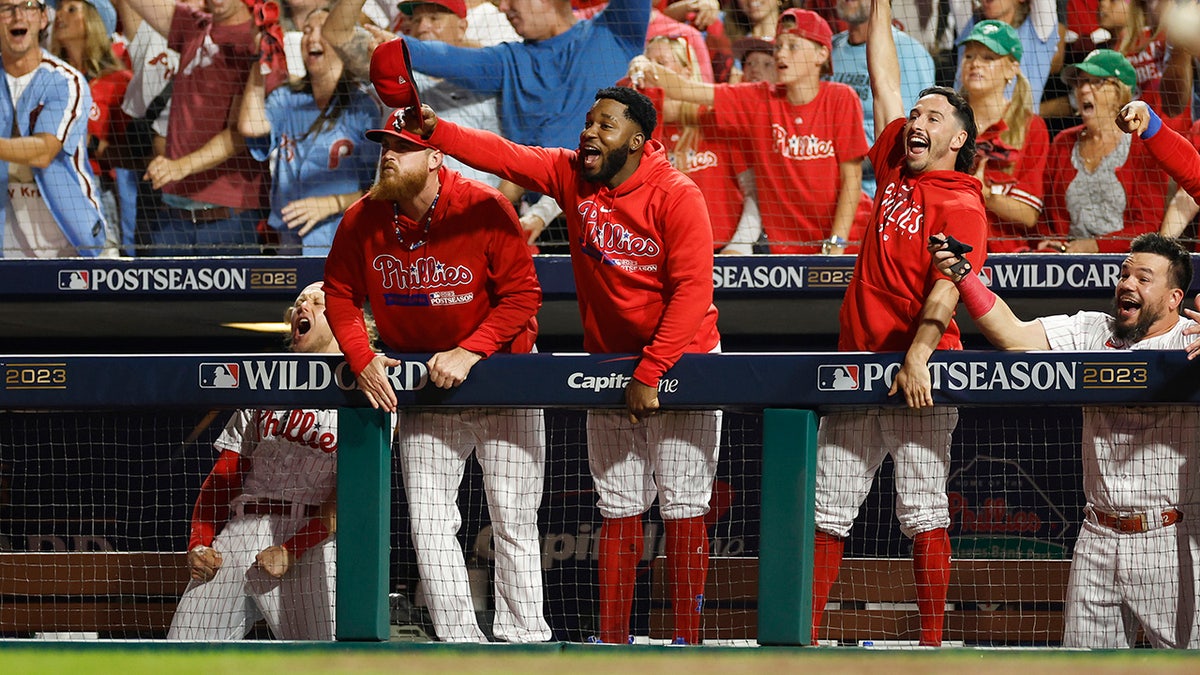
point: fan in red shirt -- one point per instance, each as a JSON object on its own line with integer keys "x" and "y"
{"x": 897, "y": 302}
{"x": 642, "y": 252}
{"x": 445, "y": 267}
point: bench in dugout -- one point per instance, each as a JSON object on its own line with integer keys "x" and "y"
{"x": 118, "y": 595}
{"x": 990, "y": 602}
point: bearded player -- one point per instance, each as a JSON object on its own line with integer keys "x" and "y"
{"x": 641, "y": 249}
{"x": 1136, "y": 564}
{"x": 445, "y": 268}
{"x": 262, "y": 544}
{"x": 898, "y": 302}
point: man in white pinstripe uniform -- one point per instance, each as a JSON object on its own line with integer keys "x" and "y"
{"x": 261, "y": 543}
{"x": 1137, "y": 560}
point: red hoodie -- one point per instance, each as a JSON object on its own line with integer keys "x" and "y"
{"x": 1178, "y": 158}
{"x": 642, "y": 253}
{"x": 894, "y": 272}
{"x": 471, "y": 285}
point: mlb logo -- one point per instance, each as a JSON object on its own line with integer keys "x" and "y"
{"x": 837, "y": 378}
{"x": 986, "y": 276}
{"x": 219, "y": 375}
{"x": 74, "y": 280}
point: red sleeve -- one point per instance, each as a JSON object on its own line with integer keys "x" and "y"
{"x": 345, "y": 292}
{"x": 224, "y": 483}
{"x": 314, "y": 532}
{"x": 1178, "y": 158}
{"x": 517, "y": 294}
{"x": 1059, "y": 174}
{"x": 688, "y": 287}
{"x": 1030, "y": 172}
{"x": 738, "y": 109}
{"x": 530, "y": 167}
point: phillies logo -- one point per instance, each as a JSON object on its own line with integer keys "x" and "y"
{"x": 608, "y": 237}
{"x": 838, "y": 378}
{"x": 899, "y": 211}
{"x": 427, "y": 272}
{"x": 800, "y": 148}
{"x": 699, "y": 161}
{"x": 297, "y": 426}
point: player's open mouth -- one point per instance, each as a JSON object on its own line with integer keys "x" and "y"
{"x": 303, "y": 326}
{"x": 917, "y": 144}
{"x": 1127, "y": 306}
{"x": 589, "y": 157}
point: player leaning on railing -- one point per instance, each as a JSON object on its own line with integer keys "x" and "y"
{"x": 1137, "y": 560}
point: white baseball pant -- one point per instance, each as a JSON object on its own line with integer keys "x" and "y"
{"x": 510, "y": 446}
{"x": 299, "y": 606}
{"x": 671, "y": 455}
{"x": 1120, "y": 581}
{"x": 851, "y": 446}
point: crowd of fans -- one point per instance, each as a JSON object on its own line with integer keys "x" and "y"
{"x": 234, "y": 127}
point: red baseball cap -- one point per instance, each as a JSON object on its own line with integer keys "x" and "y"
{"x": 458, "y": 7}
{"x": 806, "y": 24}
{"x": 394, "y": 127}
{"x": 391, "y": 73}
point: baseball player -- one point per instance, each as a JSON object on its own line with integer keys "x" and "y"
{"x": 262, "y": 544}
{"x": 641, "y": 248}
{"x": 897, "y": 302}
{"x": 445, "y": 268}
{"x": 1137, "y": 560}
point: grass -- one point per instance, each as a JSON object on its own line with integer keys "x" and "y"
{"x": 157, "y": 658}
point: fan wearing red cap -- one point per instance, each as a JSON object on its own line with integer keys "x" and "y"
{"x": 399, "y": 86}
{"x": 444, "y": 266}
{"x": 897, "y": 302}
{"x": 803, "y": 135}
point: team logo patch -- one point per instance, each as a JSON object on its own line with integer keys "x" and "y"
{"x": 838, "y": 378}
{"x": 219, "y": 375}
{"x": 74, "y": 280}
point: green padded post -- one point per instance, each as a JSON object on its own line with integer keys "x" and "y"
{"x": 364, "y": 508}
{"x": 785, "y": 559}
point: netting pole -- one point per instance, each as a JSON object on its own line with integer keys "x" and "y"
{"x": 364, "y": 528}
{"x": 785, "y": 561}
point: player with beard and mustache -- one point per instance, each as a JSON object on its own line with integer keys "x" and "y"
{"x": 444, "y": 265}
{"x": 1137, "y": 559}
{"x": 642, "y": 253}
{"x": 897, "y": 302}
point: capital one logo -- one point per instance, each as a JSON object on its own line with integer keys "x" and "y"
{"x": 838, "y": 378}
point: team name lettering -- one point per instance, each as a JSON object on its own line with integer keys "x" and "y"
{"x": 614, "y": 238}
{"x": 992, "y": 518}
{"x": 427, "y": 272}
{"x": 899, "y": 211}
{"x": 801, "y": 148}
{"x": 298, "y": 426}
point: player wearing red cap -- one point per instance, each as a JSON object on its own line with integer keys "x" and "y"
{"x": 445, "y": 268}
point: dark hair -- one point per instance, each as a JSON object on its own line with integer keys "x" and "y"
{"x": 638, "y": 108}
{"x": 966, "y": 117}
{"x": 1177, "y": 256}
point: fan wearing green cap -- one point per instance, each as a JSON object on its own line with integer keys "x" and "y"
{"x": 81, "y": 36}
{"x": 1013, "y": 140}
{"x": 1102, "y": 190}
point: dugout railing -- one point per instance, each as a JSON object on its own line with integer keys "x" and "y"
{"x": 790, "y": 389}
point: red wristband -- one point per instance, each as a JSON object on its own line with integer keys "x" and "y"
{"x": 977, "y": 298}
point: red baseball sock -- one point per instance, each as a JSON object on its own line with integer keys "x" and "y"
{"x": 827, "y": 562}
{"x": 931, "y": 571}
{"x": 687, "y": 564}
{"x": 620, "y": 551}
